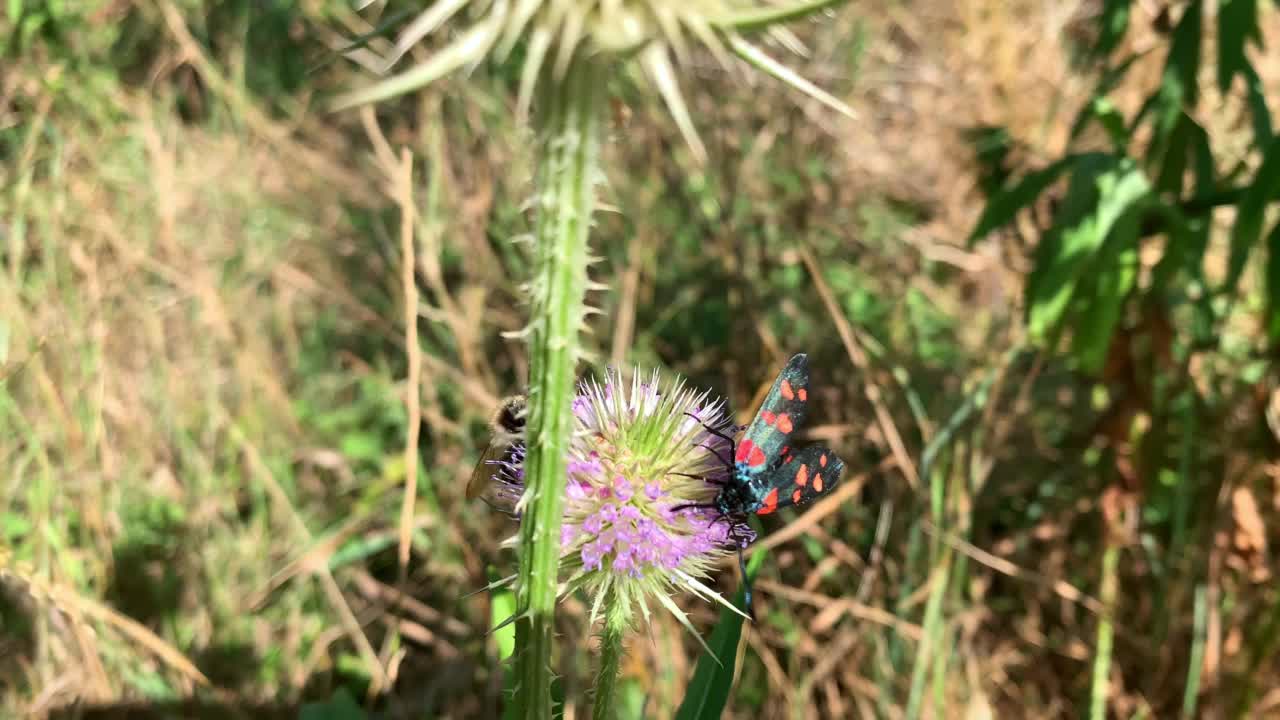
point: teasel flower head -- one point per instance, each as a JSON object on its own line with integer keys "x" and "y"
{"x": 642, "y": 465}
{"x": 555, "y": 33}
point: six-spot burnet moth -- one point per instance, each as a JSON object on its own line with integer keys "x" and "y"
{"x": 767, "y": 472}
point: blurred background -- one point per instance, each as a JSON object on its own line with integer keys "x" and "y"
{"x": 1061, "y": 494}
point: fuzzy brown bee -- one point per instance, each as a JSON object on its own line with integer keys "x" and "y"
{"x": 507, "y": 428}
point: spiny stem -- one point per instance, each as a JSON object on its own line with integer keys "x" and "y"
{"x": 569, "y": 128}
{"x": 611, "y": 653}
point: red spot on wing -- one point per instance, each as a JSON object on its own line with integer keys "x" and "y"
{"x": 802, "y": 475}
{"x": 823, "y": 460}
{"x": 767, "y": 417}
{"x": 817, "y": 482}
{"x": 770, "y": 503}
{"x": 744, "y": 449}
{"x": 756, "y": 458}
{"x": 787, "y": 392}
{"x": 795, "y": 497}
{"x": 804, "y": 394}
{"x": 784, "y": 423}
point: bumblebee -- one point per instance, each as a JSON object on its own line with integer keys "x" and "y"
{"x": 491, "y": 476}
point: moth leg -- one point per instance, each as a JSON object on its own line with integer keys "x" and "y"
{"x": 733, "y": 445}
{"x": 696, "y": 506}
{"x": 703, "y": 478}
{"x": 719, "y": 457}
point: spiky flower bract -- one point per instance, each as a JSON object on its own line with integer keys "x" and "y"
{"x": 553, "y": 33}
{"x": 643, "y": 468}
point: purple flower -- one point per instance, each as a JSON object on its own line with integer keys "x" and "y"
{"x": 641, "y": 473}
{"x": 622, "y": 488}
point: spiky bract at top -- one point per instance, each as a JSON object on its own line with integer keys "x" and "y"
{"x": 555, "y": 33}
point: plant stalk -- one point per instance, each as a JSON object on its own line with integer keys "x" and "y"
{"x": 611, "y": 653}
{"x": 1102, "y": 647}
{"x": 568, "y": 126}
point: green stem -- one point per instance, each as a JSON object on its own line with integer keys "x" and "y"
{"x": 569, "y": 130}
{"x": 615, "y": 625}
{"x": 1102, "y": 650}
{"x": 1195, "y": 664}
{"x": 933, "y": 646}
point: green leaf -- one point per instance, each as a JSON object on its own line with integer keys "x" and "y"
{"x": 341, "y": 706}
{"x": 1183, "y": 64}
{"x": 708, "y": 691}
{"x": 1249, "y": 213}
{"x": 1113, "y": 23}
{"x": 14, "y": 527}
{"x": 1202, "y": 154}
{"x": 1256, "y": 96}
{"x": 362, "y": 446}
{"x": 1237, "y": 23}
{"x": 1106, "y": 291}
{"x": 1007, "y": 202}
{"x": 1100, "y": 193}
{"x": 1178, "y": 87}
{"x": 1188, "y": 239}
{"x": 1112, "y": 121}
{"x": 360, "y": 548}
{"x": 1273, "y": 284}
{"x": 1110, "y": 79}
{"x": 991, "y": 145}
{"x": 502, "y": 605}
{"x": 1174, "y": 167}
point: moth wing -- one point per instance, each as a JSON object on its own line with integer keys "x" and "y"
{"x": 782, "y": 412}
{"x": 806, "y": 475}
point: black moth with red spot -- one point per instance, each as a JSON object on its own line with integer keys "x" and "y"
{"x": 767, "y": 473}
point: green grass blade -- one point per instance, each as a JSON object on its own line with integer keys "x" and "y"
{"x": 1195, "y": 662}
{"x": 1237, "y": 24}
{"x": 934, "y": 644}
{"x": 1249, "y": 213}
{"x": 708, "y": 691}
{"x": 1106, "y": 633}
{"x": 1273, "y": 284}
